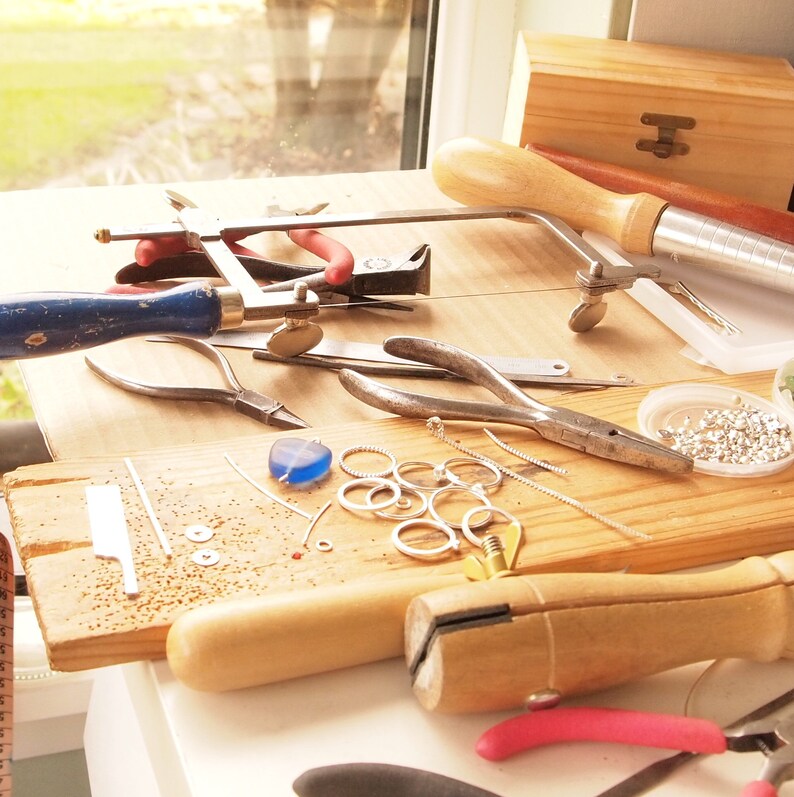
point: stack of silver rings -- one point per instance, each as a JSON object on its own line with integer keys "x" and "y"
{"x": 412, "y": 499}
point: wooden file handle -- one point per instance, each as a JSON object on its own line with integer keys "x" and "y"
{"x": 260, "y": 640}
{"x": 777, "y": 224}
{"x": 479, "y": 171}
{"x": 578, "y": 633}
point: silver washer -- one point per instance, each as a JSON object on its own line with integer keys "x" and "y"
{"x": 199, "y": 533}
{"x": 206, "y": 557}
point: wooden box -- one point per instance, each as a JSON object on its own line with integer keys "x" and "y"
{"x": 612, "y": 101}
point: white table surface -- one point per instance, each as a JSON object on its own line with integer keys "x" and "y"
{"x": 148, "y": 734}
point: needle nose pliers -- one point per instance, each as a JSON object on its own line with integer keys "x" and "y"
{"x": 569, "y": 428}
{"x": 241, "y": 399}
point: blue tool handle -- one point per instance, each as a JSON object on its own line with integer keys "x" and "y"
{"x": 40, "y": 324}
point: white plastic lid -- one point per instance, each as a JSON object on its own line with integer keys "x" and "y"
{"x": 670, "y": 407}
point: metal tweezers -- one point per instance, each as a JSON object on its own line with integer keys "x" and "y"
{"x": 567, "y": 427}
{"x": 247, "y": 402}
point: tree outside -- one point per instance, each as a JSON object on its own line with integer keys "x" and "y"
{"x": 99, "y": 92}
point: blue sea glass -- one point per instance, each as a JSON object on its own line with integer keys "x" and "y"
{"x": 297, "y": 461}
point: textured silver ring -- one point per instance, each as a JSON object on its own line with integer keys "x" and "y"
{"x": 348, "y": 452}
{"x": 369, "y": 506}
{"x": 467, "y": 528}
{"x": 480, "y": 496}
{"x": 452, "y": 543}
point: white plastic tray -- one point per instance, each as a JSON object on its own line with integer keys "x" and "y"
{"x": 764, "y": 316}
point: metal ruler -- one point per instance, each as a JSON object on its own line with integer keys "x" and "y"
{"x": 512, "y": 367}
{"x": 6, "y": 664}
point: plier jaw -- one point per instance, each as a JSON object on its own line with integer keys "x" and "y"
{"x": 776, "y": 741}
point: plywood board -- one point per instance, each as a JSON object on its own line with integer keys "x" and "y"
{"x": 88, "y": 621}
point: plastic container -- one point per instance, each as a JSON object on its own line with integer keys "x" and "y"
{"x": 763, "y": 315}
{"x": 671, "y": 406}
{"x": 783, "y": 388}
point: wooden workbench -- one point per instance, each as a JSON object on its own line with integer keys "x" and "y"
{"x": 498, "y": 287}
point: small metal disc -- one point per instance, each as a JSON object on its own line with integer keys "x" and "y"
{"x": 199, "y": 533}
{"x": 290, "y": 341}
{"x": 585, "y": 316}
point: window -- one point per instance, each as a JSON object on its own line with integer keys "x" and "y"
{"x": 98, "y": 92}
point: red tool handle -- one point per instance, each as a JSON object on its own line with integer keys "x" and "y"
{"x": 777, "y": 224}
{"x": 759, "y": 788}
{"x": 339, "y": 258}
{"x": 638, "y": 728}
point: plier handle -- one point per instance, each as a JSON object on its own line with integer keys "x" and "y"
{"x": 639, "y": 728}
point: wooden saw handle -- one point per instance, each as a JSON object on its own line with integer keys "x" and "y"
{"x": 579, "y": 633}
{"x": 479, "y": 171}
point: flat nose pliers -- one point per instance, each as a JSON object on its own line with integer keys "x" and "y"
{"x": 567, "y": 427}
{"x": 773, "y": 738}
{"x": 241, "y": 399}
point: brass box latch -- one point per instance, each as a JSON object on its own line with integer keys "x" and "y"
{"x": 664, "y": 146}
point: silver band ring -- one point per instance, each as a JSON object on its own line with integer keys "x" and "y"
{"x": 416, "y": 464}
{"x": 402, "y": 503}
{"x": 453, "y": 478}
{"x": 369, "y": 481}
{"x": 480, "y": 496}
{"x": 452, "y": 543}
{"x": 467, "y": 528}
{"x": 348, "y": 452}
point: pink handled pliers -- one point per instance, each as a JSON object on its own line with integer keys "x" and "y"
{"x": 690, "y": 734}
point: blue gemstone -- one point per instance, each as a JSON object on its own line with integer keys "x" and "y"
{"x": 297, "y": 461}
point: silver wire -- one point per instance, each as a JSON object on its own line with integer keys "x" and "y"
{"x": 436, "y": 428}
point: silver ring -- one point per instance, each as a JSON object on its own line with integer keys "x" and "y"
{"x": 453, "y": 478}
{"x": 324, "y": 545}
{"x": 371, "y": 450}
{"x": 438, "y": 474}
{"x": 467, "y": 528}
{"x": 452, "y": 543}
{"x": 403, "y": 502}
{"x": 480, "y": 496}
{"x": 373, "y": 481}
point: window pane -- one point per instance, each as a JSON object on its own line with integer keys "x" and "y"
{"x": 97, "y": 92}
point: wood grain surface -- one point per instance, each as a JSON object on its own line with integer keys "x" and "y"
{"x": 88, "y": 621}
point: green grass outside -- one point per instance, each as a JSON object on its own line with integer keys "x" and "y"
{"x": 46, "y": 126}
{"x": 70, "y": 85}
{"x": 14, "y": 402}
{"x": 67, "y": 89}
